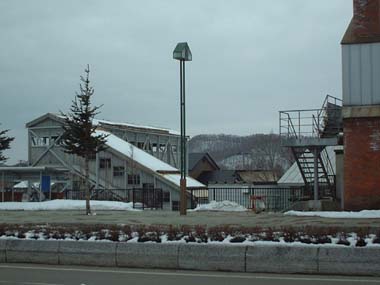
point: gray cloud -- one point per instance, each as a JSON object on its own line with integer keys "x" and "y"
{"x": 251, "y": 59}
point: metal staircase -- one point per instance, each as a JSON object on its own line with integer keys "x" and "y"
{"x": 308, "y": 133}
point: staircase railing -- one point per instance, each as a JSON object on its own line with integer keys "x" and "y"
{"x": 298, "y": 123}
{"x": 329, "y": 166}
{"x": 311, "y": 122}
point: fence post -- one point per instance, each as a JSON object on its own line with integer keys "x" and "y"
{"x": 133, "y": 197}
{"x": 143, "y": 198}
{"x": 2, "y": 187}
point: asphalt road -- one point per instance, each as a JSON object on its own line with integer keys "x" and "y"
{"x": 26, "y": 274}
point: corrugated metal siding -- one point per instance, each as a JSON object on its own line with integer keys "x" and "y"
{"x": 361, "y": 74}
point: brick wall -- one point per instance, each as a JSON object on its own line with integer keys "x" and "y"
{"x": 366, "y": 20}
{"x": 362, "y": 163}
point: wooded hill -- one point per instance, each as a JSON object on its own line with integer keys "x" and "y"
{"x": 257, "y": 151}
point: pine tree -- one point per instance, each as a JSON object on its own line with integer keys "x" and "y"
{"x": 5, "y": 142}
{"x": 79, "y": 137}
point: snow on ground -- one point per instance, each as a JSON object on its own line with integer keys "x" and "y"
{"x": 226, "y": 206}
{"x": 365, "y": 214}
{"x": 67, "y": 205}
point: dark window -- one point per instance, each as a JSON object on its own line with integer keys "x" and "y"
{"x": 175, "y": 205}
{"x": 105, "y": 163}
{"x": 162, "y": 147}
{"x": 154, "y": 147}
{"x": 140, "y": 145}
{"x": 34, "y": 140}
{"x": 174, "y": 148}
{"x": 148, "y": 146}
{"x": 148, "y": 186}
{"x": 133, "y": 179}
{"x": 54, "y": 139}
{"x": 166, "y": 196}
{"x": 118, "y": 171}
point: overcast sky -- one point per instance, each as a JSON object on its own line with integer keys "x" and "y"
{"x": 250, "y": 59}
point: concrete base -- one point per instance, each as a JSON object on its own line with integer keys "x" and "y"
{"x": 362, "y": 261}
{"x": 87, "y": 253}
{"x": 282, "y": 259}
{"x": 147, "y": 255}
{"x": 212, "y": 257}
{"x": 276, "y": 258}
{"x": 32, "y": 251}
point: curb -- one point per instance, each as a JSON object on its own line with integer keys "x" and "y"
{"x": 217, "y": 257}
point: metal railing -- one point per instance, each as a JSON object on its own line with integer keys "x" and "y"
{"x": 275, "y": 199}
{"x": 140, "y": 197}
{"x": 312, "y": 122}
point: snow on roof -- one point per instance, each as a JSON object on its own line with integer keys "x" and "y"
{"x": 22, "y": 184}
{"x": 190, "y": 182}
{"x": 133, "y": 152}
{"x": 145, "y": 159}
{"x": 99, "y": 122}
{"x": 293, "y": 174}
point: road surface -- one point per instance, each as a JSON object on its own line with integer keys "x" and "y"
{"x": 26, "y": 274}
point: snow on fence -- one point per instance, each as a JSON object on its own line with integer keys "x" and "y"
{"x": 271, "y": 198}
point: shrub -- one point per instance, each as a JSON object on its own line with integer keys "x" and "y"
{"x": 342, "y": 239}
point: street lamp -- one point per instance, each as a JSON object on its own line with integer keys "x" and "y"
{"x": 182, "y": 53}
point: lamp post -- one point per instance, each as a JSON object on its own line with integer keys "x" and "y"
{"x": 182, "y": 53}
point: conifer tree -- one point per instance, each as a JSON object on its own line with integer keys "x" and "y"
{"x": 5, "y": 142}
{"x": 79, "y": 137}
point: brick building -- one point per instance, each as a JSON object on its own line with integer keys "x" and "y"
{"x": 361, "y": 107}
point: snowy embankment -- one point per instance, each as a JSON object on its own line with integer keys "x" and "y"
{"x": 224, "y": 206}
{"x": 67, "y": 205}
{"x": 365, "y": 214}
{"x": 226, "y": 235}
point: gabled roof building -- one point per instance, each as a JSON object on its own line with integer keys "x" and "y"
{"x": 136, "y": 157}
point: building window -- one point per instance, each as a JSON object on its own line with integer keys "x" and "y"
{"x": 148, "y": 146}
{"x": 140, "y": 145}
{"x": 166, "y": 196}
{"x": 174, "y": 148}
{"x": 162, "y": 147}
{"x": 148, "y": 186}
{"x": 36, "y": 141}
{"x": 133, "y": 179}
{"x": 105, "y": 163}
{"x": 154, "y": 147}
{"x": 54, "y": 139}
{"x": 118, "y": 171}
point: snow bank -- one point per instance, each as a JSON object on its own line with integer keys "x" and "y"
{"x": 66, "y": 205}
{"x": 226, "y": 206}
{"x": 365, "y": 214}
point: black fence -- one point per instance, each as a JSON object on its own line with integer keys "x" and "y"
{"x": 140, "y": 197}
{"x": 147, "y": 198}
{"x": 271, "y": 199}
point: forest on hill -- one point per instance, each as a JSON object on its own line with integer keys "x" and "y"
{"x": 255, "y": 152}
